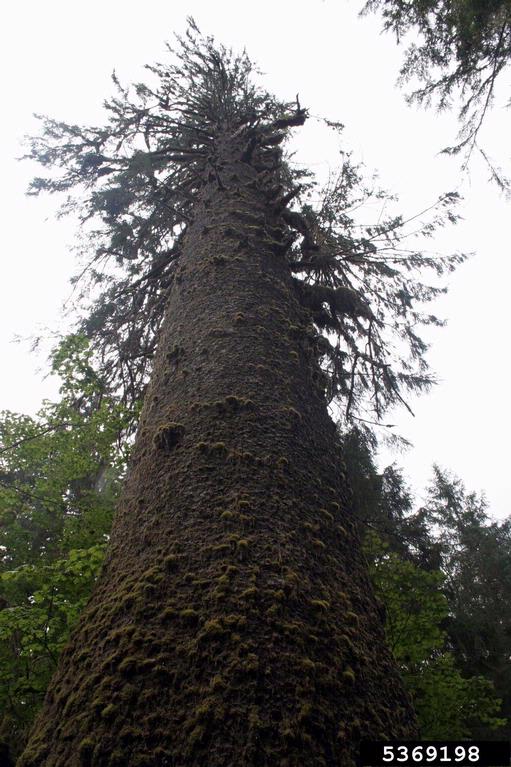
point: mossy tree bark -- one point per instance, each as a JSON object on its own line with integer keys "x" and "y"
{"x": 233, "y": 623}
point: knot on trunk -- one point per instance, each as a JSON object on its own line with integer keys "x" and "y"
{"x": 168, "y": 436}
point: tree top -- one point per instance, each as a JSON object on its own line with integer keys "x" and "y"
{"x": 134, "y": 182}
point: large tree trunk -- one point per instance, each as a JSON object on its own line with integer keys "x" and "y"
{"x": 233, "y": 623}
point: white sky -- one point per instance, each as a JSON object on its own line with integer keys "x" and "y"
{"x": 56, "y": 59}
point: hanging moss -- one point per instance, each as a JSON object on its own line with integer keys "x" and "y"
{"x": 212, "y": 628}
{"x": 109, "y": 711}
{"x": 320, "y": 604}
{"x": 327, "y": 515}
{"x": 348, "y": 675}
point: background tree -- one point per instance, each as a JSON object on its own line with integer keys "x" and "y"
{"x": 234, "y": 591}
{"x": 448, "y": 703}
{"x": 384, "y": 503}
{"x": 463, "y": 46}
{"x": 476, "y": 560}
{"x": 442, "y": 571}
{"x": 59, "y": 477}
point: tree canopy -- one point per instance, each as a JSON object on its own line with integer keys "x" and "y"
{"x": 133, "y": 182}
{"x": 462, "y": 48}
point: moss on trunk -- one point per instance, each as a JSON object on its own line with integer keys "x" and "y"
{"x": 233, "y": 623}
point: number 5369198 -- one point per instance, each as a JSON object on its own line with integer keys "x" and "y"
{"x": 430, "y": 754}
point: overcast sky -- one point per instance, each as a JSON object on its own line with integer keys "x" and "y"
{"x": 57, "y": 58}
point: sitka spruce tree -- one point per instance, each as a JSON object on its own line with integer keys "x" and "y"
{"x": 233, "y": 622}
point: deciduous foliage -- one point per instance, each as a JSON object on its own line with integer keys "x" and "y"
{"x": 40, "y": 605}
{"x": 448, "y": 704}
{"x": 59, "y": 476}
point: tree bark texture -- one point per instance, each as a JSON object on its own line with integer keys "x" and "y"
{"x": 233, "y": 624}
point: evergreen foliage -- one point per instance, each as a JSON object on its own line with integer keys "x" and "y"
{"x": 463, "y": 46}
{"x": 475, "y": 556}
{"x": 134, "y": 183}
{"x": 442, "y": 571}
